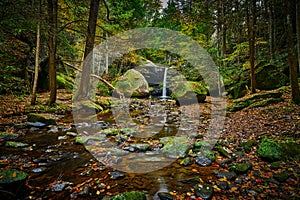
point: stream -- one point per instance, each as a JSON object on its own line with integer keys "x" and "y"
{"x": 57, "y": 165}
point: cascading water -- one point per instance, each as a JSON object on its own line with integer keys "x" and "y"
{"x": 164, "y": 90}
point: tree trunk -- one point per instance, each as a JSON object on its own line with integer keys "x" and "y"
{"x": 271, "y": 29}
{"x": 292, "y": 60}
{"x": 223, "y": 28}
{"x": 251, "y": 23}
{"x": 37, "y": 54}
{"x": 52, "y": 20}
{"x": 298, "y": 31}
{"x": 83, "y": 92}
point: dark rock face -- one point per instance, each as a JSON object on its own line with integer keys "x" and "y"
{"x": 204, "y": 191}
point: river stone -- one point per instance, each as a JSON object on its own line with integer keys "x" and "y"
{"x": 133, "y": 195}
{"x": 36, "y": 125}
{"x": 193, "y": 180}
{"x": 227, "y": 175}
{"x": 240, "y": 168}
{"x": 58, "y": 187}
{"x": 175, "y": 146}
{"x": 203, "y": 161}
{"x": 116, "y": 175}
{"x": 165, "y": 196}
{"x": 222, "y": 185}
{"x": 204, "y": 191}
{"x": 33, "y": 117}
{"x": 8, "y": 136}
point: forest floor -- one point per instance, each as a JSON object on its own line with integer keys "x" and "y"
{"x": 264, "y": 179}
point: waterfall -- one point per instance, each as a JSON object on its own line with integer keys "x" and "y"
{"x": 164, "y": 90}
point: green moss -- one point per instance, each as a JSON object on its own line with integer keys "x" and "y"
{"x": 240, "y": 168}
{"x": 12, "y": 175}
{"x": 15, "y": 144}
{"x": 221, "y": 151}
{"x": 33, "y": 117}
{"x": 134, "y": 195}
{"x": 269, "y": 150}
{"x": 291, "y": 150}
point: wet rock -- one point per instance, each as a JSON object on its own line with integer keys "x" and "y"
{"x": 116, "y": 175}
{"x": 269, "y": 150}
{"x": 53, "y": 130}
{"x": 223, "y": 185}
{"x": 193, "y": 180}
{"x": 8, "y": 136}
{"x": 34, "y": 129}
{"x": 186, "y": 161}
{"x": 248, "y": 145}
{"x": 175, "y": 146}
{"x": 134, "y": 195}
{"x": 204, "y": 191}
{"x": 282, "y": 176}
{"x": 39, "y": 170}
{"x": 85, "y": 190}
{"x": 72, "y": 134}
{"x": 221, "y": 151}
{"x": 62, "y": 137}
{"x": 140, "y": 147}
{"x": 238, "y": 181}
{"x": 15, "y": 144}
{"x": 58, "y": 187}
{"x": 36, "y": 124}
{"x": 165, "y": 196}
{"x": 227, "y": 175}
{"x": 33, "y": 117}
{"x": 240, "y": 168}
{"x": 225, "y": 162}
{"x": 203, "y": 161}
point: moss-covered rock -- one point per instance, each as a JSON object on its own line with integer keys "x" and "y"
{"x": 269, "y": 150}
{"x": 8, "y": 136}
{"x": 15, "y": 144}
{"x": 248, "y": 145}
{"x": 269, "y": 77}
{"x": 282, "y": 176}
{"x": 45, "y": 119}
{"x": 12, "y": 175}
{"x": 290, "y": 150}
{"x": 132, "y": 84}
{"x": 240, "y": 168}
{"x": 189, "y": 92}
{"x": 221, "y": 150}
{"x": 134, "y": 195}
{"x": 175, "y": 146}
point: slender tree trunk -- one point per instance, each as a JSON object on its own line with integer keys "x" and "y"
{"x": 251, "y": 22}
{"x": 83, "y": 92}
{"x": 223, "y": 28}
{"x": 52, "y": 18}
{"x": 271, "y": 29}
{"x": 37, "y": 54}
{"x": 292, "y": 60}
{"x": 298, "y": 31}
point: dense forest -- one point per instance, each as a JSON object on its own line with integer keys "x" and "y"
{"x": 46, "y": 47}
